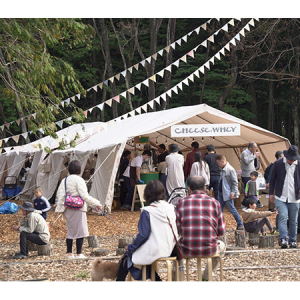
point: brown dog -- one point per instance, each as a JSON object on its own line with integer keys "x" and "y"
{"x": 108, "y": 270}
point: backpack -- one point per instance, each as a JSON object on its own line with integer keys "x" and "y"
{"x": 267, "y": 171}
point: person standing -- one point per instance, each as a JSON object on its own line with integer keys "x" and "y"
{"x": 228, "y": 189}
{"x": 162, "y": 165}
{"x": 247, "y": 164}
{"x": 33, "y": 228}
{"x": 286, "y": 176}
{"x": 175, "y": 175}
{"x": 190, "y": 159}
{"x": 200, "y": 168}
{"x": 76, "y": 220}
{"x": 200, "y": 222}
{"x": 214, "y": 169}
{"x": 132, "y": 176}
{"x": 126, "y": 156}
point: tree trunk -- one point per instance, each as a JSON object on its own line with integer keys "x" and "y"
{"x": 271, "y": 106}
{"x": 169, "y": 60}
{"x": 252, "y": 92}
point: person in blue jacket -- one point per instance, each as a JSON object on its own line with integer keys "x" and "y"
{"x": 40, "y": 202}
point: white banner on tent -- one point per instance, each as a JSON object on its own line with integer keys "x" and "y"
{"x": 205, "y": 130}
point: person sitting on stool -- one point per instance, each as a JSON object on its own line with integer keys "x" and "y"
{"x": 33, "y": 228}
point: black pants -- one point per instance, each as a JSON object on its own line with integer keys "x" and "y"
{"x": 79, "y": 243}
{"x": 123, "y": 271}
{"x": 32, "y": 237}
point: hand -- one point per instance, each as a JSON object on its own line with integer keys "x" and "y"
{"x": 275, "y": 212}
{"x": 98, "y": 208}
{"x": 15, "y": 227}
{"x": 257, "y": 154}
{"x": 271, "y": 198}
{"x": 141, "y": 181}
{"x": 231, "y": 196}
{"x": 267, "y": 185}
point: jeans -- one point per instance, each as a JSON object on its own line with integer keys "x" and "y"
{"x": 214, "y": 183}
{"x": 129, "y": 196}
{"x": 285, "y": 211}
{"x": 32, "y": 237}
{"x": 231, "y": 208}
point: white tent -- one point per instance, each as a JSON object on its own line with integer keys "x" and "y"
{"x": 109, "y": 143}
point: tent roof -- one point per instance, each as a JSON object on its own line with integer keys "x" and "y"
{"x": 157, "y": 125}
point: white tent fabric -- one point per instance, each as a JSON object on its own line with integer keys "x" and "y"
{"x": 109, "y": 139}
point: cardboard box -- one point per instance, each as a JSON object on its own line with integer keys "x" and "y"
{"x": 264, "y": 199}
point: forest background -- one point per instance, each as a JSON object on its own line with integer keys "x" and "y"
{"x": 45, "y": 61}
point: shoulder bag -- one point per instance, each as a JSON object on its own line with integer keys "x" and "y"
{"x": 72, "y": 202}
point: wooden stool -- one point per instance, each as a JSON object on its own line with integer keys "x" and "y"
{"x": 138, "y": 191}
{"x": 199, "y": 270}
{"x": 168, "y": 260}
{"x": 154, "y": 268}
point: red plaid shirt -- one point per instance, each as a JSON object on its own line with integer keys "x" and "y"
{"x": 200, "y": 221}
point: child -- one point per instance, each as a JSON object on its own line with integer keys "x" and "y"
{"x": 228, "y": 189}
{"x": 40, "y": 202}
{"x": 254, "y": 221}
{"x": 251, "y": 188}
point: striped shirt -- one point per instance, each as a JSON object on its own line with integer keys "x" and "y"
{"x": 200, "y": 221}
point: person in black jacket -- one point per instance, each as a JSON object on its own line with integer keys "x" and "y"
{"x": 286, "y": 176}
{"x": 126, "y": 156}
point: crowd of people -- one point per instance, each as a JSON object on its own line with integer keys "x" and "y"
{"x": 194, "y": 226}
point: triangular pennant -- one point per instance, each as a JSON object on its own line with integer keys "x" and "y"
{"x": 167, "y": 49}
{"x": 0, "y": 143}
{"x": 100, "y": 85}
{"x": 173, "y": 45}
{"x": 251, "y": 22}
{"x": 41, "y": 130}
{"x": 191, "y": 53}
{"x": 2, "y": 127}
{"x": 197, "y": 30}
{"x": 73, "y": 98}
{"x": 78, "y": 96}
{"x": 68, "y": 101}
{"x": 231, "y": 22}
{"x": 175, "y": 89}
{"x": 136, "y": 66}
{"x": 105, "y": 82}
{"x": 17, "y": 149}
{"x": 161, "y": 52}
{"x": 16, "y": 138}
{"x": 62, "y": 104}
{"x": 153, "y": 78}
{"x": 146, "y": 82}
{"x": 204, "y": 44}
{"x": 138, "y": 110}
{"x": 108, "y": 102}
{"x": 130, "y": 70}
{"x": 24, "y": 135}
{"x": 59, "y": 123}
{"x": 18, "y": 122}
{"x": 212, "y": 60}
{"x": 6, "y": 139}
{"x": 95, "y": 88}
{"x": 131, "y": 90}
{"x": 131, "y": 113}
{"x": 7, "y": 149}
{"x": 178, "y": 42}
{"x": 217, "y": 55}
{"x": 7, "y": 124}
{"x": 179, "y": 85}
{"x": 154, "y": 56}
{"x": 169, "y": 93}
{"x": 157, "y": 100}
{"x": 247, "y": 27}
{"x": 191, "y": 77}
{"x": 100, "y": 106}
{"x": 197, "y": 73}
{"x": 232, "y": 42}
{"x": 196, "y": 48}
{"x": 239, "y": 19}
{"x": 150, "y": 103}
{"x": 138, "y": 86}
{"x": 161, "y": 73}
{"x": 183, "y": 58}
{"x": 201, "y": 69}
{"x": 118, "y": 76}
{"x": 237, "y": 37}
{"x": 207, "y": 65}
{"x": 143, "y": 63}
{"x": 163, "y": 97}
{"x": 242, "y": 32}
{"x": 85, "y": 113}
{"x": 185, "y": 81}
{"x": 216, "y": 33}
{"x": 227, "y": 46}
{"x": 111, "y": 79}
{"x": 169, "y": 68}
{"x": 190, "y": 33}
{"x": 117, "y": 98}
{"x": 176, "y": 63}
{"x": 148, "y": 59}
{"x": 144, "y": 107}
{"x": 124, "y": 94}
{"x": 184, "y": 38}
{"x": 203, "y": 26}
{"x": 211, "y": 38}
{"x": 91, "y": 109}
{"x": 225, "y": 27}
{"x": 124, "y": 73}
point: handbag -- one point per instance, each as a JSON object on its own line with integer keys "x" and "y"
{"x": 72, "y": 202}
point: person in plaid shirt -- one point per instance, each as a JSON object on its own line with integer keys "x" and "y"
{"x": 200, "y": 221}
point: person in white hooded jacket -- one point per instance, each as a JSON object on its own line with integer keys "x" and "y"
{"x": 155, "y": 238}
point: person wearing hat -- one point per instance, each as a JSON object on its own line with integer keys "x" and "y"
{"x": 175, "y": 175}
{"x": 33, "y": 228}
{"x": 286, "y": 176}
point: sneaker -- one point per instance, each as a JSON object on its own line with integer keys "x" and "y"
{"x": 272, "y": 209}
{"x": 80, "y": 256}
{"x": 20, "y": 256}
{"x": 70, "y": 256}
{"x": 284, "y": 244}
{"x": 293, "y": 245}
{"x": 259, "y": 205}
{"x": 240, "y": 228}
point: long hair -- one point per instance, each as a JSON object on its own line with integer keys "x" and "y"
{"x": 198, "y": 158}
{"x": 154, "y": 191}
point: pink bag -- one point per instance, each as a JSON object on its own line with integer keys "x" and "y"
{"x": 72, "y": 202}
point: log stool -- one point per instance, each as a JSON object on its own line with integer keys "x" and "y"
{"x": 199, "y": 270}
{"x": 154, "y": 268}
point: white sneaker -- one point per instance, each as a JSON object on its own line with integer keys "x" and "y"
{"x": 70, "y": 256}
{"x": 80, "y": 256}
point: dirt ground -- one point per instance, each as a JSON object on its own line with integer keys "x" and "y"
{"x": 255, "y": 265}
